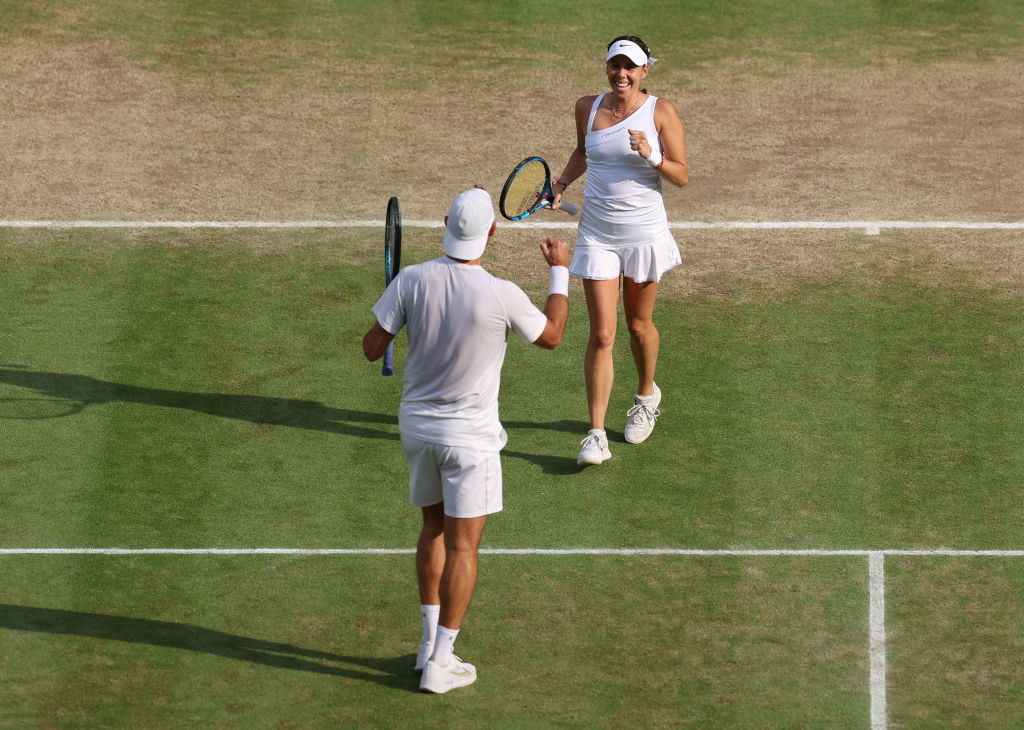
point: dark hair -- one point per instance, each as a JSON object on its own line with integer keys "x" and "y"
{"x": 638, "y": 41}
{"x": 632, "y": 39}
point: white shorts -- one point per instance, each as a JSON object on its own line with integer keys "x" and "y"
{"x": 635, "y": 242}
{"x": 639, "y": 263}
{"x": 467, "y": 480}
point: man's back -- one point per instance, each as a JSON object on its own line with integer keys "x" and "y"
{"x": 457, "y": 316}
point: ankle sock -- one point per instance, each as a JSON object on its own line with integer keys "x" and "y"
{"x": 444, "y": 644}
{"x": 429, "y": 613}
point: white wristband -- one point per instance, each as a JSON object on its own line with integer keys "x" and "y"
{"x": 655, "y": 159}
{"x": 559, "y": 281}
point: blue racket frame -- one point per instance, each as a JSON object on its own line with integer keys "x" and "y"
{"x": 544, "y": 199}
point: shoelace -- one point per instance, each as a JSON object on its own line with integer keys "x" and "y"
{"x": 635, "y": 412}
{"x": 596, "y": 439}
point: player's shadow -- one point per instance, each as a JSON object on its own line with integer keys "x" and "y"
{"x": 80, "y": 391}
{"x": 84, "y": 390}
{"x": 549, "y": 463}
{"x": 391, "y": 672}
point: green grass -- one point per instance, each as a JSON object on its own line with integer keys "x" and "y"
{"x": 207, "y": 389}
{"x": 282, "y": 642}
{"x": 527, "y": 34}
{"x": 825, "y": 411}
{"x": 962, "y": 670}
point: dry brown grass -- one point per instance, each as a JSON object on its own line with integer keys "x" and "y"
{"x": 88, "y": 130}
{"x": 731, "y": 265}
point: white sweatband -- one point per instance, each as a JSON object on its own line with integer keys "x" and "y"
{"x": 655, "y": 159}
{"x": 559, "y": 281}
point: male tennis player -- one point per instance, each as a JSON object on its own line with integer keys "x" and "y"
{"x": 458, "y": 318}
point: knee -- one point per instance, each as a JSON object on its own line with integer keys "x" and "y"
{"x": 640, "y": 328}
{"x": 461, "y": 553}
{"x": 602, "y": 338}
{"x": 461, "y": 544}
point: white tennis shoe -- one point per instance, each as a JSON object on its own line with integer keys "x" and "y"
{"x": 438, "y": 679}
{"x": 641, "y": 417}
{"x": 594, "y": 448}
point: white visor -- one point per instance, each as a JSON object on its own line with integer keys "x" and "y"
{"x": 630, "y": 50}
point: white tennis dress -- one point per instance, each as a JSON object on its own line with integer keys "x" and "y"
{"x": 623, "y": 210}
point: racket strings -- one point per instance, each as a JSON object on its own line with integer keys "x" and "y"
{"x": 527, "y": 188}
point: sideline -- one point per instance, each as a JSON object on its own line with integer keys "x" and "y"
{"x": 871, "y": 228}
{"x": 946, "y": 552}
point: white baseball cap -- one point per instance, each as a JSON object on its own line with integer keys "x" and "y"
{"x": 630, "y": 50}
{"x": 469, "y": 225}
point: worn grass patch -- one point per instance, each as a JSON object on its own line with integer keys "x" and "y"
{"x": 310, "y": 110}
{"x": 955, "y": 628}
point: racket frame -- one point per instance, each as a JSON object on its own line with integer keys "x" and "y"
{"x": 544, "y": 200}
{"x": 392, "y": 263}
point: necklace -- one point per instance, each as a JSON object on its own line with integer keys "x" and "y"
{"x": 620, "y": 114}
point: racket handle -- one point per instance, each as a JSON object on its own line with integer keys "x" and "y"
{"x": 570, "y": 208}
{"x": 388, "y": 368}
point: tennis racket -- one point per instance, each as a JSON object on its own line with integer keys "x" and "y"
{"x": 392, "y": 262}
{"x": 528, "y": 189}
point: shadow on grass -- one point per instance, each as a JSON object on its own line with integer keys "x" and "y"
{"x": 394, "y": 672}
{"x": 548, "y": 463}
{"x": 83, "y": 390}
{"x": 67, "y": 394}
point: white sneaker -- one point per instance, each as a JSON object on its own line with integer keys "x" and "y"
{"x": 438, "y": 679}
{"x": 424, "y": 654}
{"x": 594, "y": 448}
{"x": 641, "y": 417}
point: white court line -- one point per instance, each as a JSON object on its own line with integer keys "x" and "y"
{"x": 739, "y": 552}
{"x": 876, "y": 622}
{"x": 797, "y": 552}
{"x": 876, "y": 578}
{"x": 868, "y": 226}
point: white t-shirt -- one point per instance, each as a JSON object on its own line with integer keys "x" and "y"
{"x": 458, "y": 318}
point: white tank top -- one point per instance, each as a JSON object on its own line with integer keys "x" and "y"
{"x": 617, "y": 177}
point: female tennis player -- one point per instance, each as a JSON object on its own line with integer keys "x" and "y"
{"x": 627, "y": 142}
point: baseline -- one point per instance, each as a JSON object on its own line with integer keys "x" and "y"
{"x": 754, "y": 552}
{"x": 868, "y": 226}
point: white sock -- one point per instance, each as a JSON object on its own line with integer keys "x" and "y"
{"x": 430, "y": 614}
{"x": 444, "y": 643}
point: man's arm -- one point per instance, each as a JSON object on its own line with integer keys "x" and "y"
{"x": 376, "y": 342}
{"x": 556, "y": 253}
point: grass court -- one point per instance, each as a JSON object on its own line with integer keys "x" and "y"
{"x": 203, "y": 515}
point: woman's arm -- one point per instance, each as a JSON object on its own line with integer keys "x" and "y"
{"x": 577, "y": 164}
{"x": 673, "y": 143}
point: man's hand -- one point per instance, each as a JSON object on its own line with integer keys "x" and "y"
{"x": 556, "y": 252}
